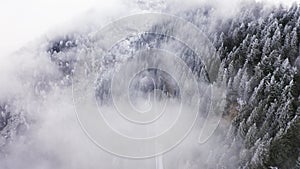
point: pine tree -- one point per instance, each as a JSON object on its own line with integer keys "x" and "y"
{"x": 293, "y": 53}
{"x": 251, "y": 136}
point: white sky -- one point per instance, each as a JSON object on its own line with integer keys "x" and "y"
{"x": 24, "y": 20}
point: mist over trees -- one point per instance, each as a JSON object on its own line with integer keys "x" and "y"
{"x": 259, "y": 48}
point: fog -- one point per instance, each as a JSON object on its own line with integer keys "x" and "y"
{"x": 24, "y": 21}
{"x": 53, "y": 136}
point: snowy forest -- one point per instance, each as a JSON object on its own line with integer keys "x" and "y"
{"x": 260, "y": 56}
{"x": 259, "y": 52}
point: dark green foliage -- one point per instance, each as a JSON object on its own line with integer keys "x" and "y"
{"x": 259, "y": 52}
